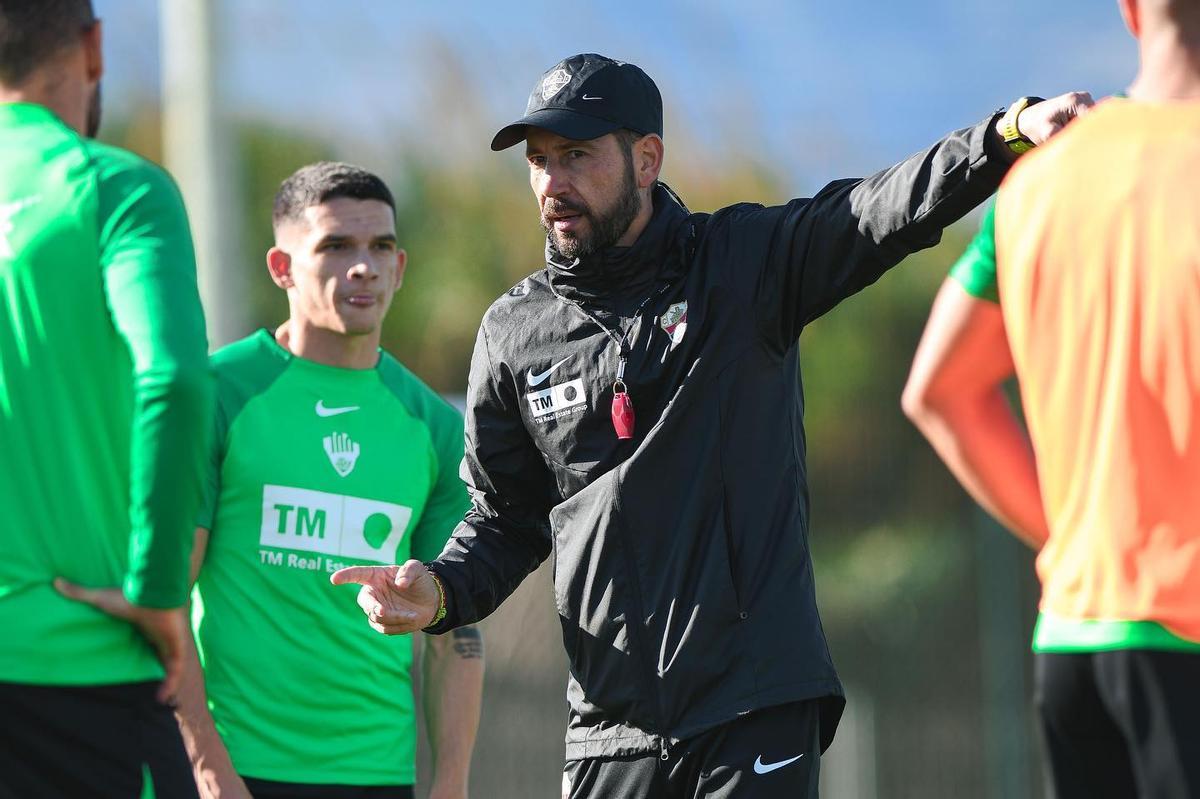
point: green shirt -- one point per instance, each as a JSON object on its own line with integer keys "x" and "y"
{"x": 975, "y": 271}
{"x": 315, "y": 468}
{"x": 104, "y": 398}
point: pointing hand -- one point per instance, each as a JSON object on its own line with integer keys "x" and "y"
{"x": 1042, "y": 120}
{"x": 396, "y": 599}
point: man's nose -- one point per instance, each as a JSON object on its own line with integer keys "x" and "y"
{"x": 365, "y": 267}
{"x": 554, "y": 182}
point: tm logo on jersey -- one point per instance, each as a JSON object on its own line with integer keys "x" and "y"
{"x": 555, "y": 402}
{"x": 329, "y": 525}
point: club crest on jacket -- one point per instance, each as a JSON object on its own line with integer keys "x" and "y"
{"x": 674, "y": 322}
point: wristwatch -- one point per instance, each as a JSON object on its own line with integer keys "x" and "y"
{"x": 1013, "y": 138}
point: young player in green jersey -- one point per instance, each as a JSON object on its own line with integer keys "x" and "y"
{"x": 327, "y": 452}
{"x": 104, "y": 402}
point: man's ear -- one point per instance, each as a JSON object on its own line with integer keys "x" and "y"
{"x": 401, "y": 263}
{"x": 93, "y": 53}
{"x": 1129, "y": 13}
{"x": 648, "y": 154}
{"x": 279, "y": 264}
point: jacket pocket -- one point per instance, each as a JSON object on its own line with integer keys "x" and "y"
{"x": 731, "y": 554}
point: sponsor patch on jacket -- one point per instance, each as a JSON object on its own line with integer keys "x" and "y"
{"x": 674, "y": 322}
{"x": 557, "y": 401}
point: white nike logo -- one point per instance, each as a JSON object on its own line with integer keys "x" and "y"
{"x": 535, "y": 380}
{"x": 585, "y": 97}
{"x": 323, "y": 411}
{"x": 766, "y": 768}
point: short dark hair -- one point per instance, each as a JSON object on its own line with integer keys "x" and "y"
{"x": 626, "y": 137}
{"x": 326, "y": 180}
{"x": 32, "y": 31}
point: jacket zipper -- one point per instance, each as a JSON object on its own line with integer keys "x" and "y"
{"x": 636, "y": 632}
{"x": 631, "y": 567}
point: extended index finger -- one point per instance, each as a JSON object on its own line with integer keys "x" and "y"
{"x": 362, "y": 575}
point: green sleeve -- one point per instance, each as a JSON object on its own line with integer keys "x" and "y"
{"x": 211, "y": 482}
{"x": 975, "y": 270}
{"x": 448, "y": 501}
{"x": 149, "y": 274}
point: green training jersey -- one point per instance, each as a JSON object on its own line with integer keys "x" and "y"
{"x": 105, "y": 398}
{"x": 975, "y": 271}
{"x": 315, "y": 468}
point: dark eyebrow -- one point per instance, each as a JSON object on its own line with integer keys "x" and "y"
{"x": 338, "y": 238}
{"x": 566, "y": 144}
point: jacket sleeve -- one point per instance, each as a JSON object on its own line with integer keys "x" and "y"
{"x": 799, "y": 260}
{"x": 506, "y": 533}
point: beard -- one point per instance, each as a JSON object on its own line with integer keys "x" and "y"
{"x": 92, "y": 126}
{"x": 604, "y": 228}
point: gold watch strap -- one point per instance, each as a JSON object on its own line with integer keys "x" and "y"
{"x": 441, "y": 611}
{"x": 1016, "y": 141}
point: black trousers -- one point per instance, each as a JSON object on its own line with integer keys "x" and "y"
{"x": 90, "y": 741}
{"x": 1120, "y": 724}
{"x": 273, "y": 790}
{"x": 269, "y": 789}
{"x": 769, "y": 754}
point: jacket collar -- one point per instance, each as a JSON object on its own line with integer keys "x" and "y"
{"x": 616, "y": 275}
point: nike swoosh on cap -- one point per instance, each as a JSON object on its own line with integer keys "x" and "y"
{"x": 323, "y": 411}
{"x": 538, "y": 379}
{"x": 766, "y": 768}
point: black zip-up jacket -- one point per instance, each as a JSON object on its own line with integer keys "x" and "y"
{"x": 682, "y": 573}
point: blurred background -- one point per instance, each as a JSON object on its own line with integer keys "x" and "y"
{"x": 927, "y": 605}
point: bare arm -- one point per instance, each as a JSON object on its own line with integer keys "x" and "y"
{"x": 955, "y": 396}
{"x": 211, "y": 764}
{"x": 452, "y": 679}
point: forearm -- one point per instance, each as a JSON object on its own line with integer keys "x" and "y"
{"x": 985, "y": 446}
{"x": 908, "y": 205}
{"x": 853, "y": 231}
{"x": 484, "y": 562}
{"x": 452, "y": 676}
{"x": 211, "y": 764}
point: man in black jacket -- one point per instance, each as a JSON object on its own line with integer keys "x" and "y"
{"x": 634, "y": 408}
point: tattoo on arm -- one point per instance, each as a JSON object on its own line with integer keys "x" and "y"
{"x": 468, "y": 643}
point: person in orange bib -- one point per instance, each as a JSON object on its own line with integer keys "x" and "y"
{"x": 1088, "y": 291}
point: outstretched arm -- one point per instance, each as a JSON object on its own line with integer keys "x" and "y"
{"x": 504, "y": 537}
{"x": 797, "y": 261}
{"x": 955, "y": 396}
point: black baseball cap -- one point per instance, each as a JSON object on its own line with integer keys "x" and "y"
{"x": 586, "y": 96}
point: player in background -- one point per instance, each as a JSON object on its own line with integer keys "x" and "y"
{"x": 105, "y": 401}
{"x": 328, "y": 452}
{"x": 1084, "y": 284}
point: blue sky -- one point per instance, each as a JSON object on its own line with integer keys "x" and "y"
{"x": 819, "y": 90}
